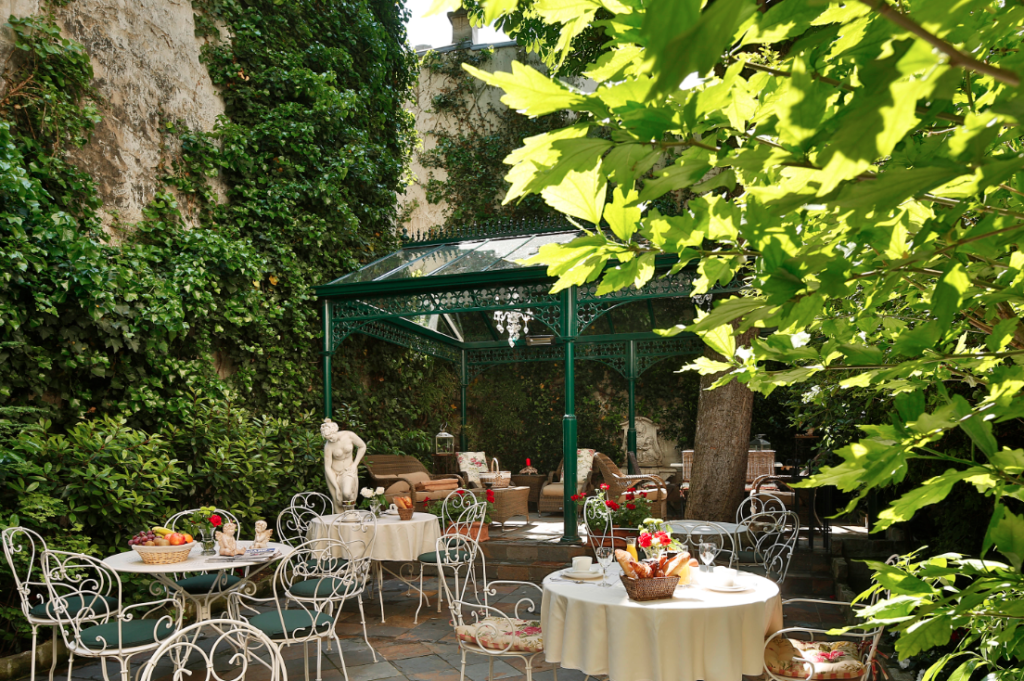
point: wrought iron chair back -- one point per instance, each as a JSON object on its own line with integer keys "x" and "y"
{"x": 464, "y": 514}
{"x": 239, "y": 641}
{"x": 710, "y": 533}
{"x": 597, "y": 518}
{"x": 293, "y": 522}
{"x": 759, "y": 504}
{"x": 23, "y": 549}
{"x": 364, "y": 522}
{"x": 774, "y": 548}
{"x": 340, "y": 567}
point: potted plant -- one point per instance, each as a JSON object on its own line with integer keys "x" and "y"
{"x": 436, "y": 506}
{"x": 627, "y": 517}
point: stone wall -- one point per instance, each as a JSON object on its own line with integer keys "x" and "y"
{"x": 145, "y": 57}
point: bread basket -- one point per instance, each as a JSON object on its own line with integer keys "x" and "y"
{"x": 405, "y": 513}
{"x": 497, "y": 479}
{"x": 163, "y": 555}
{"x": 650, "y": 589}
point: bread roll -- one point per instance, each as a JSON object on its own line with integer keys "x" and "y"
{"x": 624, "y": 560}
{"x": 693, "y": 562}
{"x": 673, "y": 569}
{"x": 642, "y": 571}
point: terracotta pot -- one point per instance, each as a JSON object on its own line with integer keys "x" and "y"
{"x": 471, "y": 531}
{"x": 621, "y": 535}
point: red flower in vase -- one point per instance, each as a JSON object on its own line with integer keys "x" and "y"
{"x": 644, "y": 540}
{"x": 215, "y": 520}
{"x": 663, "y": 538}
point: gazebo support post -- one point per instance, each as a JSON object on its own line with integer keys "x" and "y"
{"x": 325, "y": 317}
{"x": 463, "y": 386}
{"x": 569, "y": 329}
{"x": 631, "y": 431}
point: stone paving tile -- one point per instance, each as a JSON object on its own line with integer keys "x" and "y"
{"x": 371, "y": 672}
{"x": 421, "y": 665}
{"x": 478, "y": 672}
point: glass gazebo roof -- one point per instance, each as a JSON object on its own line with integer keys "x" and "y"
{"x": 465, "y": 257}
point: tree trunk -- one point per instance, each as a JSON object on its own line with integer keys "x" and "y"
{"x": 720, "y": 446}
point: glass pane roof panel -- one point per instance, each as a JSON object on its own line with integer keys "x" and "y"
{"x": 439, "y": 258}
{"x": 484, "y": 256}
{"x": 384, "y": 265}
{"x": 530, "y": 248}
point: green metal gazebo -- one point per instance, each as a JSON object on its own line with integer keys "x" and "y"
{"x": 439, "y": 294}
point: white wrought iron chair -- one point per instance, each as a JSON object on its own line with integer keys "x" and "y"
{"x": 328, "y": 558}
{"x": 463, "y": 513}
{"x": 201, "y": 588}
{"x": 305, "y": 507}
{"x": 308, "y": 622}
{"x": 23, "y": 549}
{"x": 243, "y": 640}
{"x": 486, "y": 630}
{"x": 783, "y": 660}
{"x": 759, "y": 503}
{"x": 774, "y": 538}
{"x": 79, "y": 588}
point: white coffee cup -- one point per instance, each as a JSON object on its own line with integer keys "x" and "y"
{"x": 392, "y": 509}
{"x": 582, "y": 563}
{"x": 726, "y": 576}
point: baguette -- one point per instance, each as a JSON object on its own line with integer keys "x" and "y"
{"x": 675, "y": 566}
{"x": 624, "y": 560}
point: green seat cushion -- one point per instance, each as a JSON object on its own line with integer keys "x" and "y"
{"x": 101, "y": 606}
{"x": 460, "y": 556}
{"x": 201, "y": 584}
{"x": 296, "y": 623}
{"x": 318, "y": 587}
{"x": 133, "y": 633}
{"x": 325, "y": 565}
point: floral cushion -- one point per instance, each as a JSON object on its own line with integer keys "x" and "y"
{"x": 472, "y": 464}
{"x": 494, "y": 633}
{"x": 828, "y": 659}
{"x": 584, "y": 463}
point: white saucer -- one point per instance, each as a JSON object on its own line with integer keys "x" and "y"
{"x": 590, "y": 574}
{"x": 390, "y": 512}
{"x": 727, "y": 589}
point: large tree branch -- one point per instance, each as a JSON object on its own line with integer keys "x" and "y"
{"x": 956, "y": 57}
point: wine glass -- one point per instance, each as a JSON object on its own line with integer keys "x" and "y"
{"x": 708, "y": 551}
{"x": 604, "y": 558}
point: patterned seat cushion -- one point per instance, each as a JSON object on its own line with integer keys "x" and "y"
{"x": 584, "y": 464}
{"x": 828, "y": 659}
{"x": 495, "y": 633}
{"x": 472, "y": 464}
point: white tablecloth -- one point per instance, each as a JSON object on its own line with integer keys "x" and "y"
{"x": 698, "y": 634}
{"x": 130, "y": 561}
{"x": 396, "y": 539}
{"x": 683, "y": 527}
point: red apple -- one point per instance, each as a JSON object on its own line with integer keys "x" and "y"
{"x": 176, "y": 539}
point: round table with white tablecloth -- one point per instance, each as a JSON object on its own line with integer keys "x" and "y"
{"x": 697, "y": 634}
{"x": 396, "y": 539}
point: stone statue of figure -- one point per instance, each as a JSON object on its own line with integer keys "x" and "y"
{"x": 263, "y": 535}
{"x": 648, "y": 447}
{"x": 340, "y": 467}
{"x": 226, "y": 540}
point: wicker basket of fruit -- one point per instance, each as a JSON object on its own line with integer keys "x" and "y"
{"x": 161, "y": 546}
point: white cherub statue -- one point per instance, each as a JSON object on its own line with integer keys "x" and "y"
{"x": 340, "y": 466}
{"x": 263, "y": 535}
{"x": 227, "y": 542}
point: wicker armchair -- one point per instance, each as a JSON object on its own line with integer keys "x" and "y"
{"x": 619, "y": 484}
{"x": 551, "y": 495}
{"x": 398, "y": 475}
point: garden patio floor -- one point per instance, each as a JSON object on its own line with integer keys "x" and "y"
{"x": 406, "y": 651}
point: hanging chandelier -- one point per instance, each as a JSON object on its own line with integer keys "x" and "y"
{"x": 515, "y": 321}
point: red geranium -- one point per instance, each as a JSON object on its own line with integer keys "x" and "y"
{"x": 490, "y": 496}
{"x": 631, "y": 507}
{"x": 663, "y": 538}
{"x": 460, "y": 492}
{"x": 643, "y": 494}
{"x": 604, "y": 486}
{"x": 629, "y": 496}
{"x": 644, "y": 540}
{"x": 612, "y": 505}
{"x": 215, "y": 520}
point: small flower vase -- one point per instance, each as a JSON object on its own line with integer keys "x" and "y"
{"x": 375, "y": 507}
{"x": 207, "y": 541}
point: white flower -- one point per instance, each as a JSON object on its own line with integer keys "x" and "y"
{"x": 800, "y": 339}
{"x": 379, "y": 491}
{"x": 366, "y": 492}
